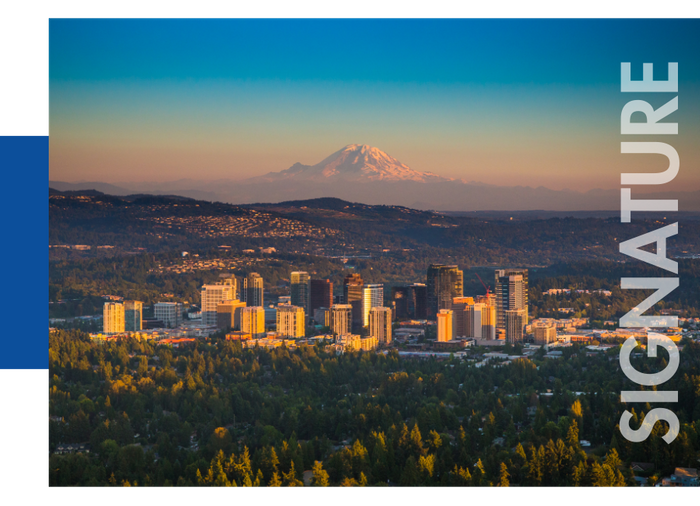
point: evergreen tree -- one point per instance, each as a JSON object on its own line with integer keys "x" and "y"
{"x": 504, "y": 475}
{"x": 320, "y": 477}
{"x": 275, "y": 480}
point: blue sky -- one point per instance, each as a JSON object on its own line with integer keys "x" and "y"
{"x": 530, "y": 101}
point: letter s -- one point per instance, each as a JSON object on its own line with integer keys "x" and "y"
{"x": 653, "y": 416}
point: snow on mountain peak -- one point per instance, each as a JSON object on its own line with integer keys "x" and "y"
{"x": 361, "y": 162}
{"x": 358, "y": 163}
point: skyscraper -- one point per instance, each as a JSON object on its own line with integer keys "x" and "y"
{"x": 113, "y": 317}
{"x": 133, "y": 315}
{"x": 418, "y": 301}
{"x": 321, "y": 294}
{"x": 488, "y": 322}
{"x": 291, "y": 321}
{"x": 511, "y": 293}
{"x": 445, "y": 282}
{"x": 515, "y": 323}
{"x": 380, "y": 324}
{"x": 399, "y": 302}
{"x": 299, "y": 289}
{"x": 341, "y": 319}
{"x": 445, "y": 330}
{"x": 212, "y": 296}
{"x": 253, "y": 289}
{"x": 230, "y": 279}
{"x": 459, "y": 308}
{"x": 352, "y": 294}
{"x": 253, "y": 321}
{"x": 409, "y": 301}
{"x": 372, "y": 296}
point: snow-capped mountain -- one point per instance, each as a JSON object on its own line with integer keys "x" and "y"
{"x": 356, "y": 163}
{"x": 346, "y": 174}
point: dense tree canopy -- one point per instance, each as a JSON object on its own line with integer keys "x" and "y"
{"x": 215, "y": 414}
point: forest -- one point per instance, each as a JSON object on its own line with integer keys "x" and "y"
{"x": 213, "y": 414}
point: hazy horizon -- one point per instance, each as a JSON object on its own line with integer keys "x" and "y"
{"x": 500, "y": 102}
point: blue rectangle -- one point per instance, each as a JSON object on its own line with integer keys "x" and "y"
{"x": 24, "y": 164}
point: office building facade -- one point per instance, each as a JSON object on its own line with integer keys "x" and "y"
{"x": 322, "y": 316}
{"x": 445, "y": 330}
{"x": 299, "y": 289}
{"x": 253, "y": 321}
{"x": 352, "y": 294}
{"x": 133, "y": 315}
{"x": 445, "y": 282}
{"x": 170, "y": 313}
{"x": 516, "y": 319}
{"x": 253, "y": 290}
{"x": 291, "y": 322}
{"x": 321, "y": 294}
{"x": 228, "y": 314}
{"x": 113, "y": 317}
{"x": 341, "y": 319}
{"x": 399, "y": 302}
{"x": 459, "y": 308}
{"x": 511, "y": 293}
{"x": 230, "y": 279}
{"x": 418, "y": 301}
{"x": 372, "y": 296}
{"x": 212, "y": 296}
{"x": 544, "y": 333}
{"x": 380, "y": 324}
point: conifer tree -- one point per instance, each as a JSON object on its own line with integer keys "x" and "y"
{"x": 503, "y": 481}
{"x": 320, "y": 476}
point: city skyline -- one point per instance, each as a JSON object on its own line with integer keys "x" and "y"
{"x": 372, "y": 253}
{"x": 516, "y": 102}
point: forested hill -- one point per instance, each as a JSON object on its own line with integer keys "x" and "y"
{"x": 333, "y": 227}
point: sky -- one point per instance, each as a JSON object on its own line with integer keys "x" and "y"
{"x": 506, "y": 102}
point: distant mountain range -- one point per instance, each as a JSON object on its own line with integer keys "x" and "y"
{"x": 363, "y": 173}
